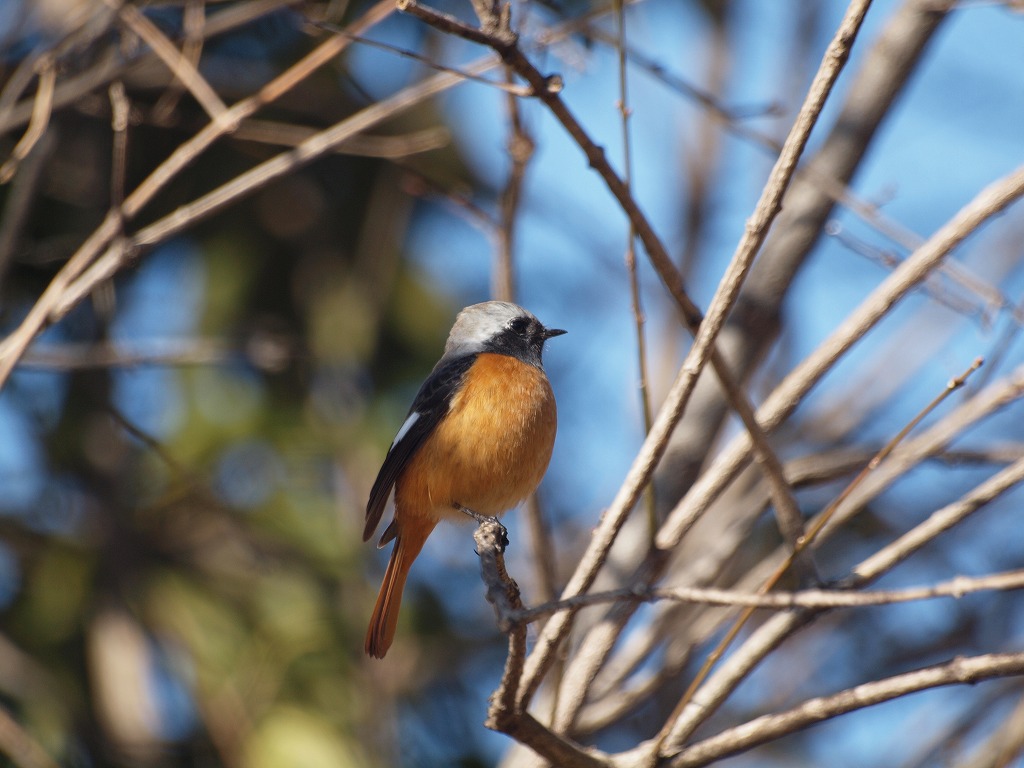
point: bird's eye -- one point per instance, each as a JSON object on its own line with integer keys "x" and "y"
{"x": 519, "y": 325}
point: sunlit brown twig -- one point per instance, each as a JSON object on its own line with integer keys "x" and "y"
{"x": 192, "y": 22}
{"x": 511, "y": 88}
{"x": 42, "y": 106}
{"x": 119, "y": 109}
{"x": 762, "y": 729}
{"x": 176, "y": 61}
{"x": 520, "y": 147}
{"x": 365, "y": 145}
{"x": 19, "y": 746}
{"x": 632, "y": 272}
{"x": 806, "y": 540}
{"x": 809, "y": 598}
{"x": 60, "y": 295}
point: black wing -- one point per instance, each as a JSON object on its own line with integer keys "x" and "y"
{"x": 430, "y": 405}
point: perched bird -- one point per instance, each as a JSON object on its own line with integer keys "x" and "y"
{"x": 478, "y": 439}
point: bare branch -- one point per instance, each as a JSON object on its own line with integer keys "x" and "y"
{"x": 808, "y": 598}
{"x": 781, "y": 403}
{"x": 639, "y": 320}
{"x": 42, "y": 106}
{"x": 768, "y": 636}
{"x": 109, "y": 68}
{"x": 177, "y": 62}
{"x": 520, "y": 147}
{"x": 504, "y": 714}
{"x": 959, "y": 671}
{"x": 66, "y": 289}
{"x": 19, "y": 746}
{"x": 162, "y": 352}
{"x": 725, "y": 295}
{"x": 940, "y": 521}
{"x": 390, "y": 147}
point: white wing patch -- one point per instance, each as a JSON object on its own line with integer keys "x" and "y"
{"x": 413, "y": 418}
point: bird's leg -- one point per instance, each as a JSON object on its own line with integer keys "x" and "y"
{"x": 475, "y": 515}
{"x": 482, "y": 519}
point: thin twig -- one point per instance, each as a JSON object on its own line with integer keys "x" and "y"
{"x": 983, "y": 300}
{"x": 42, "y": 106}
{"x": 75, "y": 281}
{"x": 805, "y": 541}
{"x": 753, "y": 237}
{"x": 153, "y": 444}
{"x": 955, "y": 588}
{"x": 119, "y": 109}
{"x": 625, "y": 112}
{"x": 177, "y": 62}
{"x": 315, "y": 146}
{"x": 110, "y": 67}
{"x": 394, "y": 147}
{"x": 826, "y": 516}
{"x": 60, "y": 295}
{"x": 763, "y": 729}
{"x": 520, "y": 147}
{"x": 938, "y": 522}
{"x": 768, "y": 636}
{"x": 20, "y": 746}
{"x": 192, "y": 22}
{"x": 790, "y": 392}
{"x": 72, "y": 356}
{"x": 20, "y": 198}
{"x": 510, "y": 88}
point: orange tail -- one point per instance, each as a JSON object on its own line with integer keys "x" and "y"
{"x": 385, "y": 613}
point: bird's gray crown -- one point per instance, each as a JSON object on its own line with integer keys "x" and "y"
{"x": 478, "y": 324}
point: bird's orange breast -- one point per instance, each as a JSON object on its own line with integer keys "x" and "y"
{"x": 492, "y": 448}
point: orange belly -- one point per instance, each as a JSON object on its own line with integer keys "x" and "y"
{"x": 491, "y": 450}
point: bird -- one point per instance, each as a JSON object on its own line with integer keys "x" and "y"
{"x": 477, "y": 441}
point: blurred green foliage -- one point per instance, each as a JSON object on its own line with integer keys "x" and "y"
{"x": 187, "y": 582}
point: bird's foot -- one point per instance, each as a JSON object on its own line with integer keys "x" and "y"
{"x": 482, "y": 519}
{"x": 475, "y": 515}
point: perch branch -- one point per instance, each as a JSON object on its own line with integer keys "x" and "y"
{"x": 504, "y": 714}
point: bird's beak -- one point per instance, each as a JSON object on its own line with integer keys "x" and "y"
{"x": 551, "y": 332}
